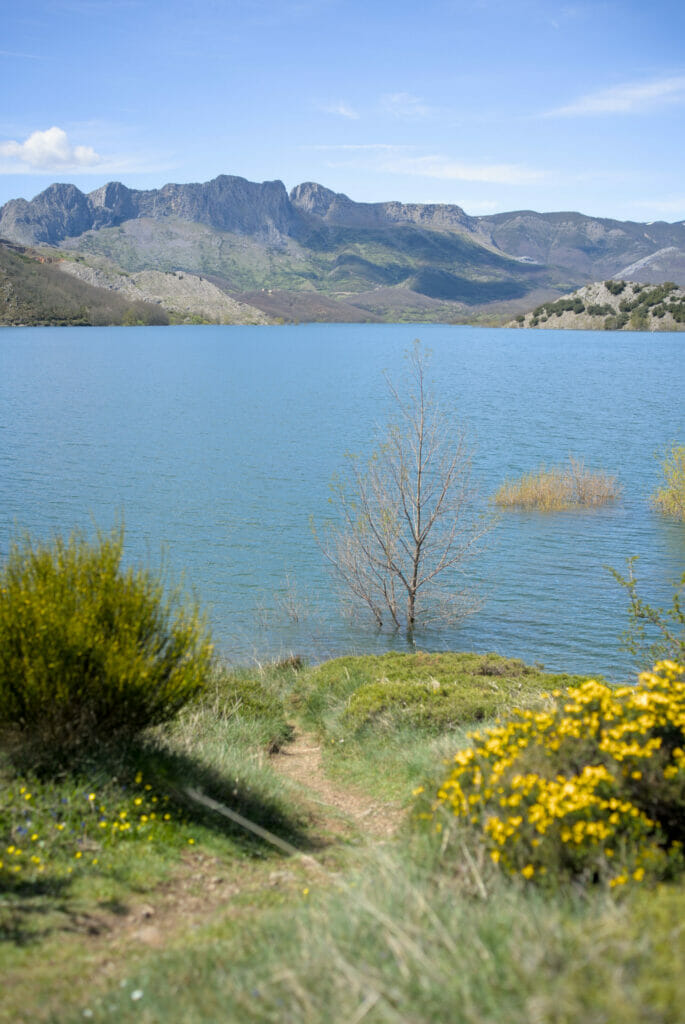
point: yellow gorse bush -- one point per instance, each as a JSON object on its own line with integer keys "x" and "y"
{"x": 591, "y": 788}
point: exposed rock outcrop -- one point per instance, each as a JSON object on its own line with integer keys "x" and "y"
{"x": 183, "y": 296}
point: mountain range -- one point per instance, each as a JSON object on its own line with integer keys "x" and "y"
{"x": 314, "y": 254}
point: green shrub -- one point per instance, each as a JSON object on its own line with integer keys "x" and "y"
{"x": 592, "y": 788}
{"x": 616, "y": 323}
{"x": 670, "y": 498}
{"x": 88, "y": 649}
{"x": 615, "y": 287}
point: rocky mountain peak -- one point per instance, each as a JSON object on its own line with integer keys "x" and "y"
{"x": 313, "y": 198}
{"x": 111, "y": 204}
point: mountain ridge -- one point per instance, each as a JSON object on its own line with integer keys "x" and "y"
{"x": 257, "y": 239}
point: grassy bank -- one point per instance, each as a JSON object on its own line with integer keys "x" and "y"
{"x": 193, "y": 918}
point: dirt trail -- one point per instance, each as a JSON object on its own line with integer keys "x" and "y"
{"x": 339, "y": 807}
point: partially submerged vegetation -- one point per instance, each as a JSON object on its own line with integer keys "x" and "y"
{"x": 555, "y": 488}
{"x": 669, "y": 498}
{"x": 587, "y": 782}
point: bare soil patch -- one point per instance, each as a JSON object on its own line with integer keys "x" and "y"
{"x": 340, "y": 809}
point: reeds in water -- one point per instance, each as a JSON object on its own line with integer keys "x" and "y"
{"x": 559, "y": 487}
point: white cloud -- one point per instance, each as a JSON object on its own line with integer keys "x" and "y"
{"x": 382, "y": 147}
{"x": 484, "y": 206}
{"x": 384, "y": 158}
{"x": 671, "y": 205}
{"x": 632, "y": 98}
{"x": 446, "y": 169}
{"x": 404, "y": 107}
{"x": 342, "y": 109}
{"x": 46, "y": 151}
{"x": 20, "y": 55}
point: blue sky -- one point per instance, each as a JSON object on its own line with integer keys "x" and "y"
{"x": 491, "y": 104}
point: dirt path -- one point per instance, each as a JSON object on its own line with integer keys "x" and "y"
{"x": 339, "y": 808}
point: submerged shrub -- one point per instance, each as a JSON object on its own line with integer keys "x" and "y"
{"x": 670, "y": 498}
{"x": 556, "y": 488}
{"x": 592, "y": 788}
{"x": 89, "y": 649}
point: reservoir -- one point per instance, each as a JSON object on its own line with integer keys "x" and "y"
{"x": 217, "y": 446}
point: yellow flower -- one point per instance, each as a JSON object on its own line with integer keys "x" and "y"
{"x": 528, "y": 871}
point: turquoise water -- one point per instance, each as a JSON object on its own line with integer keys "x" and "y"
{"x": 217, "y": 445}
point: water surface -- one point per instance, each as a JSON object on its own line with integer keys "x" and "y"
{"x": 218, "y": 445}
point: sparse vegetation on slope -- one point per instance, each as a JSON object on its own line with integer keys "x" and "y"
{"x": 613, "y": 306}
{"x": 33, "y": 291}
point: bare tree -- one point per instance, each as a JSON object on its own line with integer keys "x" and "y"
{"x": 408, "y": 521}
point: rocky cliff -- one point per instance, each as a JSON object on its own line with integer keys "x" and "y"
{"x": 226, "y": 203}
{"x": 255, "y": 239}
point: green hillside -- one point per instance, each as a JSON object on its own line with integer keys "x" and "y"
{"x": 33, "y": 291}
